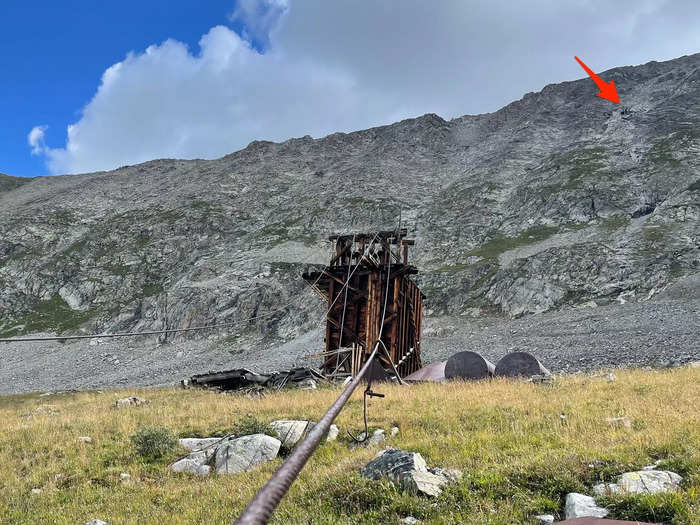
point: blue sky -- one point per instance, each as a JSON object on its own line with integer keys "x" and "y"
{"x": 97, "y": 85}
{"x": 53, "y": 54}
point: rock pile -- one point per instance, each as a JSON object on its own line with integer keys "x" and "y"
{"x": 645, "y": 481}
{"x": 232, "y": 455}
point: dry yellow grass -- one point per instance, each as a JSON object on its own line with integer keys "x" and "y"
{"x": 519, "y": 454}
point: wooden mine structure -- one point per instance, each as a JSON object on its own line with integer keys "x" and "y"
{"x": 366, "y": 262}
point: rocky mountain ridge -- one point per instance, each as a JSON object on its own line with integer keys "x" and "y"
{"x": 557, "y": 200}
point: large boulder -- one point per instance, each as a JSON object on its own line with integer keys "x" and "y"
{"x": 580, "y": 506}
{"x": 408, "y": 470}
{"x": 291, "y": 431}
{"x": 244, "y": 453}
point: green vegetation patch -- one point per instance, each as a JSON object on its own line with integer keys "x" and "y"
{"x": 53, "y": 315}
{"x": 499, "y": 243}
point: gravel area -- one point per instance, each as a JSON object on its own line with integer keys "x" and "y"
{"x": 660, "y": 332}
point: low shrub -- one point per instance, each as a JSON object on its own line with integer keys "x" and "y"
{"x": 153, "y": 442}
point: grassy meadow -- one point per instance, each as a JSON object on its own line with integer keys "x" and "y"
{"x": 521, "y": 446}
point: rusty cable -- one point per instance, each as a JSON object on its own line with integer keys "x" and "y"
{"x": 259, "y": 510}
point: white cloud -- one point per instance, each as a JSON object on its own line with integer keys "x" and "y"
{"x": 259, "y": 18}
{"x": 36, "y": 139}
{"x": 344, "y": 65}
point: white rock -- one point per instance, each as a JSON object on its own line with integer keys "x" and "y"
{"x": 580, "y": 506}
{"x": 195, "y": 463}
{"x": 393, "y": 431}
{"x": 96, "y": 522}
{"x": 85, "y": 439}
{"x": 619, "y": 421}
{"x": 130, "y": 401}
{"x": 195, "y": 444}
{"x": 124, "y": 476}
{"x": 377, "y": 437}
{"x": 307, "y": 384}
{"x": 545, "y": 519}
{"x": 606, "y": 489}
{"x": 649, "y": 482}
{"x": 410, "y": 520}
{"x": 244, "y": 453}
{"x": 333, "y": 432}
{"x": 291, "y": 431}
{"x": 36, "y": 491}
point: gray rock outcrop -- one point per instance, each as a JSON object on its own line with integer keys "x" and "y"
{"x": 408, "y": 470}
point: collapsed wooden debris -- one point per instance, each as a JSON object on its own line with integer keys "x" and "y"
{"x": 242, "y": 378}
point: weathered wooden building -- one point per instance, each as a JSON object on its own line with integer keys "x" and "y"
{"x": 376, "y": 270}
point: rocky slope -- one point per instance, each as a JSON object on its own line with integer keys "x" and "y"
{"x": 560, "y": 199}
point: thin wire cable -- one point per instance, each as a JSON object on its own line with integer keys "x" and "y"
{"x": 159, "y": 332}
{"x": 345, "y": 300}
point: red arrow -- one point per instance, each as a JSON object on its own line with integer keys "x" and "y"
{"x": 607, "y": 91}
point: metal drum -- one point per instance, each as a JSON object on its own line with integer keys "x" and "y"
{"x": 468, "y": 365}
{"x": 518, "y": 364}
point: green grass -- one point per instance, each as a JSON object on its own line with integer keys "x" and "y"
{"x": 519, "y": 457}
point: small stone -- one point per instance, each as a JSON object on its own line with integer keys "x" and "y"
{"x": 611, "y": 378}
{"x": 377, "y": 437}
{"x": 124, "y": 476}
{"x": 96, "y": 522}
{"x": 393, "y": 431}
{"x": 541, "y": 378}
{"x": 85, "y": 439}
{"x": 410, "y": 520}
{"x": 307, "y": 384}
{"x": 619, "y": 421}
{"x": 580, "y": 506}
{"x": 130, "y": 401}
{"x": 36, "y": 491}
{"x": 333, "y": 432}
{"x": 545, "y": 519}
{"x": 606, "y": 489}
